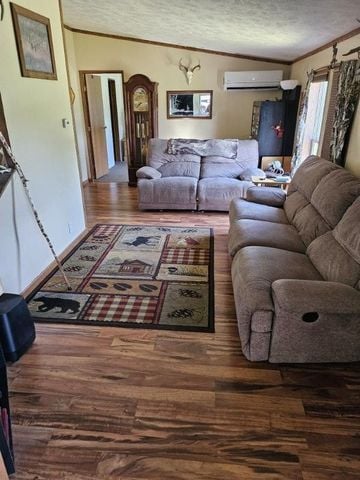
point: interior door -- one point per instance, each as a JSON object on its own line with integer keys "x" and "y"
{"x": 97, "y": 124}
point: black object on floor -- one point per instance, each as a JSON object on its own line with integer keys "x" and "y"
{"x": 17, "y": 330}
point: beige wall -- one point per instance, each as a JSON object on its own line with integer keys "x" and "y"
{"x": 231, "y": 110}
{"x": 34, "y": 109}
{"x": 322, "y": 59}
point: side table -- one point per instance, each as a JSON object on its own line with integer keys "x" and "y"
{"x": 270, "y": 182}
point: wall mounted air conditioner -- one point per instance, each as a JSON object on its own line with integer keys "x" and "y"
{"x": 258, "y": 80}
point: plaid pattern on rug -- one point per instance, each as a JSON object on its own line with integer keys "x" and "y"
{"x": 133, "y": 276}
{"x": 186, "y": 256}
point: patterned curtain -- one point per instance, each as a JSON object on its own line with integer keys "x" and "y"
{"x": 346, "y": 102}
{"x": 296, "y": 159}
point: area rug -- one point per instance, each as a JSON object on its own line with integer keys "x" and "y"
{"x": 134, "y": 276}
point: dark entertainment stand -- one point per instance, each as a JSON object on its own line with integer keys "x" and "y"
{"x": 6, "y": 445}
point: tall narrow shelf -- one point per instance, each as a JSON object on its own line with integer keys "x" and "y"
{"x": 6, "y": 444}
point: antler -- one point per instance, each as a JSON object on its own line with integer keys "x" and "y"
{"x": 182, "y": 66}
{"x": 196, "y": 66}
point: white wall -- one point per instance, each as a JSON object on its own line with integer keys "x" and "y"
{"x": 77, "y": 106}
{"x": 322, "y": 59}
{"x": 231, "y": 110}
{"x": 34, "y": 109}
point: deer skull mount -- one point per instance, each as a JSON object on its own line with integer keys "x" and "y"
{"x": 189, "y": 71}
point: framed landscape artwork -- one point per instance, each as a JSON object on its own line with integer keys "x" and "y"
{"x": 34, "y": 43}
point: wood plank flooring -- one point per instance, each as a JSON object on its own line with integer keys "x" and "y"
{"x": 111, "y": 403}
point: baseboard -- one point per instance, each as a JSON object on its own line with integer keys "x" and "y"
{"x": 41, "y": 277}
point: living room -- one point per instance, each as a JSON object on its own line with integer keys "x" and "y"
{"x": 111, "y": 402}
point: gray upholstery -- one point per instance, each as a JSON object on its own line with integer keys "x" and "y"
{"x": 185, "y": 165}
{"x": 217, "y": 193}
{"x": 148, "y": 172}
{"x": 216, "y": 177}
{"x": 168, "y": 193}
{"x": 296, "y": 268}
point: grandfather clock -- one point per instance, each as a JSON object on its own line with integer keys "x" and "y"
{"x": 141, "y": 120}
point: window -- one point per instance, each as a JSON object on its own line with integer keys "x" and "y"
{"x": 314, "y": 119}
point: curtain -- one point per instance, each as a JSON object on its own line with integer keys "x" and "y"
{"x": 296, "y": 159}
{"x": 346, "y": 102}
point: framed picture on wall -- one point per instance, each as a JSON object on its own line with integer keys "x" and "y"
{"x": 34, "y": 43}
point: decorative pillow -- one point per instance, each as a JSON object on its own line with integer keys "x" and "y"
{"x": 249, "y": 172}
{"x": 148, "y": 172}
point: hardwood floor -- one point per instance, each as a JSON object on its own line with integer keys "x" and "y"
{"x": 111, "y": 403}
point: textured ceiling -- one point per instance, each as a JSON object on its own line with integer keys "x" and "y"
{"x": 282, "y": 29}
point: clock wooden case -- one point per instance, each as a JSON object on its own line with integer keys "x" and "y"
{"x": 142, "y": 120}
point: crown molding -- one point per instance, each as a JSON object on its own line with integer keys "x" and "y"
{"x": 353, "y": 33}
{"x": 181, "y": 47}
{"x": 346, "y": 36}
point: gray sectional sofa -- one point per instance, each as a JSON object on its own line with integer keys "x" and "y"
{"x": 296, "y": 267}
{"x": 187, "y": 181}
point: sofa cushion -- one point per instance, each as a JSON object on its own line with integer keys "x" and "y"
{"x": 334, "y": 194}
{"x": 333, "y": 261}
{"x": 248, "y": 153}
{"x": 170, "y": 193}
{"x": 219, "y": 166}
{"x": 318, "y": 196}
{"x": 213, "y": 167}
{"x": 217, "y": 193}
{"x": 310, "y": 224}
{"x": 337, "y": 254}
{"x": 185, "y": 165}
{"x": 309, "y": 174}
{"x": 240, "y": 208}
{"x": 248, "y": 232}
{"x": 347, "y": 231}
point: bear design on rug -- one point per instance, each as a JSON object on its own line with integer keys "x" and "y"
{"x": 49, "y": 303}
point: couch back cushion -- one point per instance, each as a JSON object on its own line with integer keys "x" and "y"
{"x": 336, "y": 255}
{"x": 184, "y": 165}
{"x": 318, "y": 197}
{"x": 217, "y": 166}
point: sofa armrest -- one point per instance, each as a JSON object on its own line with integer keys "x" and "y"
{"x": 316, "y": 296}
{"x": 274, "y": 197}
{"x": 148, "y": 172}
{"x": 315, "y": 321}
{"x": 250, "y": 172}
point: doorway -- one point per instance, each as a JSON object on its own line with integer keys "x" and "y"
{"x": 104, "y": 113}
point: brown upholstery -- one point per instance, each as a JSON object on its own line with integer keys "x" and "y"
{"x": 296, "y": 268}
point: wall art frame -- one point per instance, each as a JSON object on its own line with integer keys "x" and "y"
{"x": 196, "y": 104}
{"x": 34, "y": 43}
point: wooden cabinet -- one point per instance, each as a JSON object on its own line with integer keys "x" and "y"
{"x": 274, "y": 122}
{"x": 6, "y": 448}
{"x": 141, "y": 120}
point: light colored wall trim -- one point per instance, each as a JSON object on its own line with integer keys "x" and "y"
{"x": 329, "y": 44}
{"x": 182, "y": 47}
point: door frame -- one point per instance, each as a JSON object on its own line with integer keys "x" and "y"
{"x": 114, "y": 119}
{"x": 85, "y": 104}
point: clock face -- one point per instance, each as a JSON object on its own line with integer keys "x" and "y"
{"x": 140, "y": 100}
